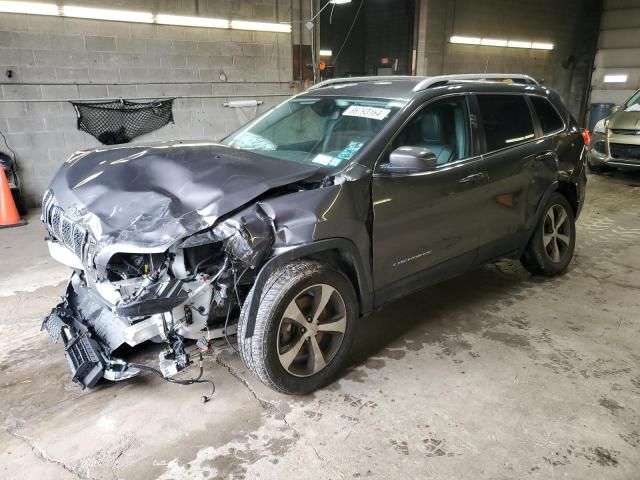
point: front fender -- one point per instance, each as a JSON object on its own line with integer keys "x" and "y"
{"x": 363, "y": 284}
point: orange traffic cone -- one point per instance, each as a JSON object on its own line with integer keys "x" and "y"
{"x": 9, "y": 216}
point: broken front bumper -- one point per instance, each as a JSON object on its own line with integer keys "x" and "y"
{"x": 91, "y": 332}
{"x": 88, "y": 358}
{"x": 92, "y": 329}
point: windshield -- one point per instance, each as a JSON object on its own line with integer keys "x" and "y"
{"x": 633, "y": 104}
{"x": 326, "y": 132}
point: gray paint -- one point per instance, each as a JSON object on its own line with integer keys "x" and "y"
{"x": 150, "y": 199}
{"x": 145, "y": 198}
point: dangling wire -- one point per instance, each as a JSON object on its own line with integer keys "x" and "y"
{"x": 8, "y": 146}
{"x": 235, "y": 289}
{"x": 226, "y": 323}
{"x": 190, "y": 381}
{"x": 355, "y": 18}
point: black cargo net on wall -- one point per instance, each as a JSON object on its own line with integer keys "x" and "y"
{"x": 120, "y": 121}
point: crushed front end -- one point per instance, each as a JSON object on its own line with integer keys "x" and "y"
{"x": 190, "y": 291}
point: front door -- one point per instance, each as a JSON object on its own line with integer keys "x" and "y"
{"x": 427, "y": 225}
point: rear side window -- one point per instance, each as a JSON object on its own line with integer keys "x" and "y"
{"x": 507, "y": 120}
{"x": 550, "y": 121}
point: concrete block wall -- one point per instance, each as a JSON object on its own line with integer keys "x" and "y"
{"x": 53, "y": 60}
{"x": 568, "y": 25}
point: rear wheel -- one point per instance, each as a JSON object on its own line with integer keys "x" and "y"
{"x": 550, "y": 250}
{"x": 304, "y": 328}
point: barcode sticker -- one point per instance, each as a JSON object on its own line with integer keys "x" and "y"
{"x": 374, "y": 113}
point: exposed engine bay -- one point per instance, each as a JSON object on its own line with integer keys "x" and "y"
{"x": 165, "y": 242}
{"x": 190, "y": 292}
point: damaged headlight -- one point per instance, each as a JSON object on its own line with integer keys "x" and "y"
{"x": 248, "y": 238}
{"x": 122, "y": 266}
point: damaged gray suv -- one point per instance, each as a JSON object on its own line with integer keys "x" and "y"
{"x": 289, "y": 231}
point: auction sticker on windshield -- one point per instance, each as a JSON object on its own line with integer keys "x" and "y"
{"x": 374, "y": 113}
{"x": 323, "y": 159}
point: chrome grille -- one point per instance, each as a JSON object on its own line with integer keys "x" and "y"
{"x": 66, "y": 231}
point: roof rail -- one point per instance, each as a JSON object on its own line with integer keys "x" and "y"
{"x": 346, "y": 80}
{"x": 492, "y": 77}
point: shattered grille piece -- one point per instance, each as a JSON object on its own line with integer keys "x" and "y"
{"x": 53, "y": 325}
{"x": 120, "y": 121}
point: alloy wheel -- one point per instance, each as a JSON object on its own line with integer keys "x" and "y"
{"x": 556, "y": 236}
{"x": 311, "y": 330}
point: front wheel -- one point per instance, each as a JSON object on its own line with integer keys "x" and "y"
{"x": 551, "y": 247}
{"x": 304, "y": 328}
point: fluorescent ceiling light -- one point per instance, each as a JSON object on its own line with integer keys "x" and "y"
{"x": 493, "y": 42}
{"x": 339, "y": 2}
{"x": 32, "y": 8}
{"x": 325, "y": 53}
{"x": 498, "y": 42}
{"x": 518, "y": 44}
{"x": 191, "y": 21}
{"x": 36, "y": 8}
{"x": 261, "y": 26}
{"x": 465, "y": 40}
{"x": 542, "y": 46}
{"x": 107, "y": 14}
{"x": 615, "y": 78}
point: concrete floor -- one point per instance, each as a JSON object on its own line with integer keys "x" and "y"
{"x": 491, "y": 375}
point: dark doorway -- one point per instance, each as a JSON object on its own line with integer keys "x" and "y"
{"x": 368, "y": 37}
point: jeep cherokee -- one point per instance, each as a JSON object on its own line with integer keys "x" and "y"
{"x": 335, "y": 202}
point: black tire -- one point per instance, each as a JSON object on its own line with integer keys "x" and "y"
{"x": 260, "y": 352}
{"x": 541, "y": 259}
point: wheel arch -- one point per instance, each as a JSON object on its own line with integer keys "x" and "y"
{"x": 570, "y": 192}
{"x": 340, "y": 253}
{"x": 565, "y": 188}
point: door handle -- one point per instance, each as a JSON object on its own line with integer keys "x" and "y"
{"x": 545, "y": 156}
{"x": 474, "y": 177}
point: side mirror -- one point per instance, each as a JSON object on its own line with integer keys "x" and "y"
{"x": 411, "y": 159}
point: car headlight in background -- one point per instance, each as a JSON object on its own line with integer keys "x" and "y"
{"x": 601, "y": 126}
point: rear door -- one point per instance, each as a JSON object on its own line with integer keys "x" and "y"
{"x": 520, "y": 165}
{"x": 426, "y": 225}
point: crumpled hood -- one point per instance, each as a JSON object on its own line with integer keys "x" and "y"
{"x": 147, "y": 197}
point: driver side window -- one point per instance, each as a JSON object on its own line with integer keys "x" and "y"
{"x": 442, "y": 127}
